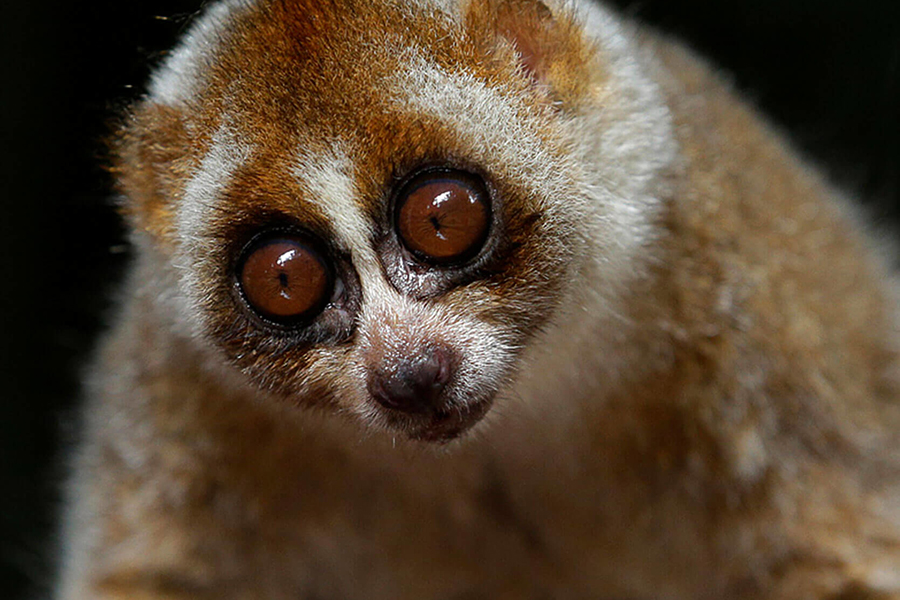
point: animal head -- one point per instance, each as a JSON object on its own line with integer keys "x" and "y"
{"x": 378, "y": 206}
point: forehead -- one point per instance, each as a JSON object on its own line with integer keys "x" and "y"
{"x": 368, "y": 89}
{"x": 289, "y": 69}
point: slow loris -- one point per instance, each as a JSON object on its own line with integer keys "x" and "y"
{"x": 479, "y": 299}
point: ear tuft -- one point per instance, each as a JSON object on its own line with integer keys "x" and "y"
{"x": 529, "y": 25}
{"x": 551, "y": 47}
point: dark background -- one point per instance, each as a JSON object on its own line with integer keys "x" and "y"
{"x": 827, "y": 71}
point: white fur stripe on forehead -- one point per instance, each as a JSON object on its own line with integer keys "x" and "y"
{"x": 328, "y": 179}
{"x": 182, "y": 74}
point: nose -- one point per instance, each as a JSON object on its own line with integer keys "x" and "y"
{"x": 415, "y": 383}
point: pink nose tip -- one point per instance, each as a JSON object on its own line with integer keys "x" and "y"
{"x": 415, "y": 383}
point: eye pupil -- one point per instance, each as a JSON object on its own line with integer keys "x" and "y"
{"x": 443, "y": 217}
{"x": 284, "y": 279}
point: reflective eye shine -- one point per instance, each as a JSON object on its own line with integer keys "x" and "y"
{"x": 443, "y": 217}
{"x": 284, "y": 279}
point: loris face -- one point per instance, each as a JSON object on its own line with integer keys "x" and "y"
{"x": 367, "y": 206}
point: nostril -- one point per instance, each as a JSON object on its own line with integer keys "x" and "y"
{"x": 414, "y": 385}
{"x": 441, "y": 362}
{"x": 426, "y": 375}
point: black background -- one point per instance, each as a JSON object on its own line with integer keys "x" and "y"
{"x": 828, "y": 71}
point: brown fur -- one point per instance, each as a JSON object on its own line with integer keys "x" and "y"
{"x": 749, "y": 451}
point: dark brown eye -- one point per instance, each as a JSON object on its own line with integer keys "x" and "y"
{"x": 443, "y": 217}
{"x": 284, "y": 279}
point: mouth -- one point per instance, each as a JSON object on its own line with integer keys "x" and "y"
{"x": 440, "y": 425}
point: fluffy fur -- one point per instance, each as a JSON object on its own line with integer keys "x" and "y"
{"x": 676, "y": 360}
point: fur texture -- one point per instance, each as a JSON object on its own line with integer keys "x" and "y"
{"x": 675, "y": 358}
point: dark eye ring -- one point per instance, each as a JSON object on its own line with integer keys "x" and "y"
{"x": 284, "y": 278}
{"x": 443, "y": 217}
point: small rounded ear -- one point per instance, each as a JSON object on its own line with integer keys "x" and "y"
{"x": 551, "y": 46}
{"x": 151, "y": 161}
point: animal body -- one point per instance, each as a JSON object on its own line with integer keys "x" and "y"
{"x": 459, "y": 299}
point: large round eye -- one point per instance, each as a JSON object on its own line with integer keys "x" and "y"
{"x": 284, "y": 278}
{"x": 443, "y": 217}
